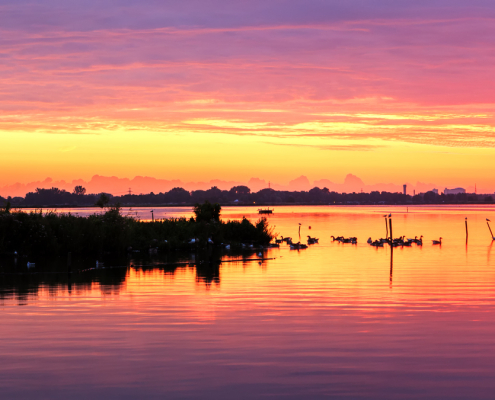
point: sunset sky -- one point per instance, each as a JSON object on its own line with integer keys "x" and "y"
{"x": 391, "y": 91}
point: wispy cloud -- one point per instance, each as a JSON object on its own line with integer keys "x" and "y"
{"x": 323, "y": 73}
{"x": 338, "y": 147}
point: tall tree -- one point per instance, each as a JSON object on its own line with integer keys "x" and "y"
{"x": 79, "y": 190}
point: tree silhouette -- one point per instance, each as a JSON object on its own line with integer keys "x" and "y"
{"x": 207, "y": 212}
{"x": 103, "y": 200}
{"x": 79, "y": 190}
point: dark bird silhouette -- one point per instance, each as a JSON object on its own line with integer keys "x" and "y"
{"x": 437, "y": 241}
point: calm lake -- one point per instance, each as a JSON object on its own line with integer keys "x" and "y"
{"x": 334, "y": 320}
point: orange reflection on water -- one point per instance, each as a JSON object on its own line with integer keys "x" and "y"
{"x": 333, "y": 320}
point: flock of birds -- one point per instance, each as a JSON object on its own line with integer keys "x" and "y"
{"x": 298, "y": 245}
{"x": 401, "y": 241}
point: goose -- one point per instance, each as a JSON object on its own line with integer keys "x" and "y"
{"x": 437, "y": 241}
{"x": 294, "y": 246}
{"x": 418, "y": 241}
{"x": 312, "y": 240}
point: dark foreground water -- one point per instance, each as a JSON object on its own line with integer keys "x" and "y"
{"x": 335, "y": 320}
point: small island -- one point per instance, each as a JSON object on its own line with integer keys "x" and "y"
{"x": 57, "y": 234}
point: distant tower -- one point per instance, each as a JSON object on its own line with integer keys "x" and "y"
{"x": 414, "y": 192}
{"x": 130, "y": 191}
{"x": 405, "y": 188}
{"x": 268, "y": 184}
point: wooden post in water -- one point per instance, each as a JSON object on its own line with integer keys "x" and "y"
{"x": 152, "y": 216}
{"x": 491, "y": 233}
{"x": 386, "y": 226}
{"x": 390, "y": 226}
{"x": 465, "y": 221}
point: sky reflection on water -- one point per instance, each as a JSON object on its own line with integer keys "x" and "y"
{"x": 332, "y": 320}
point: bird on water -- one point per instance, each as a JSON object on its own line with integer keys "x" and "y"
{"x": 437, "y": 241}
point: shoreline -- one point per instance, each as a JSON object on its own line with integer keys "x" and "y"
{"x": 148, "y": 205}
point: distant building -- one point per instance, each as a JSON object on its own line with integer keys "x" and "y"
{"x": 405, "y": 189}
{"x": 434, "y": 191}
{"x": 454, "y": 191}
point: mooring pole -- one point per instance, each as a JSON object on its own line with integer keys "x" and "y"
{"x": 491, "y": 233}
{"x": 465, "y": 222}
{"x": 386, "y": 226}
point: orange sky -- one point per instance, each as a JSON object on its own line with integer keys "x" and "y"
{"x": 391, "y": 93}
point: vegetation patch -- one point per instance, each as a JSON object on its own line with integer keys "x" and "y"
{"x": 54, "y": 234}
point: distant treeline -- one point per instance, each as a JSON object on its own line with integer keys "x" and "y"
{"x": 240, "y": 195}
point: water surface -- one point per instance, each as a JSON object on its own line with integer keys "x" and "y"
{"x": 335, "y": 320}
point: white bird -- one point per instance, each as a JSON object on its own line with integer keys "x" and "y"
{"x": 487, "y": 220}
{"x": 260, "y": 254}
{"x": 210, "y": 241}
{"x": 192, "y": 241}
{"x": 390, "y": 215}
